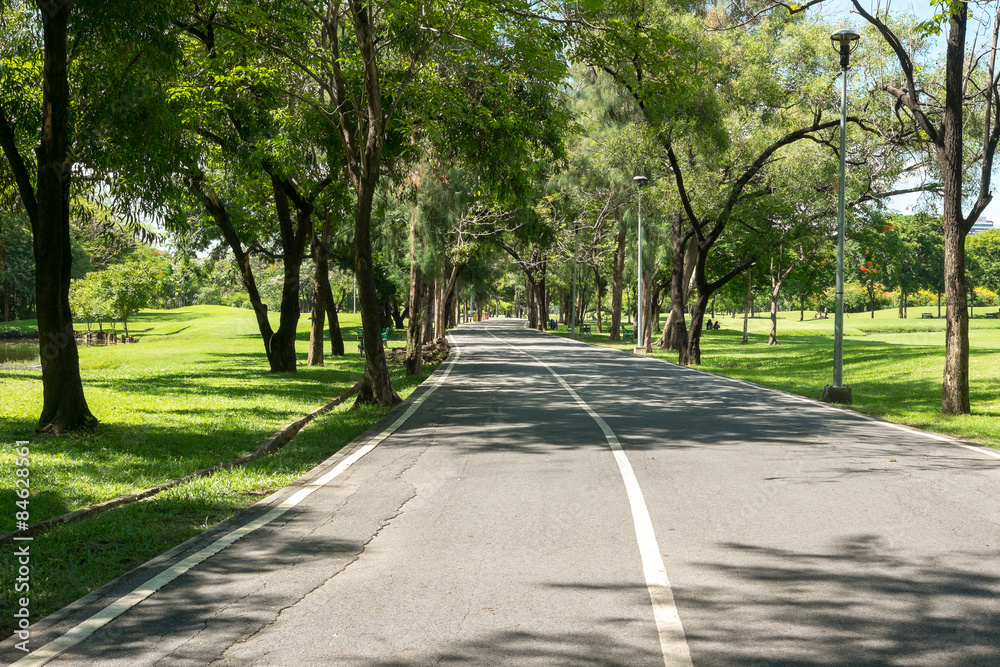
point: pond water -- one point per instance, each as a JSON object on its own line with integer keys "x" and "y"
{"x": 19, "y": 353}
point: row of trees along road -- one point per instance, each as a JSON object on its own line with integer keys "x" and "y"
{"x": 216, "y": 109}
{"x": 439, "y": 143}
{"x": 749, "y": 99}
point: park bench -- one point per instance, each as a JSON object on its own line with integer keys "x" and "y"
{"x": 927, "y": 316}
{"x": 626, "y": 334}
{"x": 585, "y": 329}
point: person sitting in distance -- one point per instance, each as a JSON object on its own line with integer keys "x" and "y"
{"x": 708, "y": 325}
{"x": 717, "y": 325}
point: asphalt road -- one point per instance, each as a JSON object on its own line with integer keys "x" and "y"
{"x": 498, "y": 526}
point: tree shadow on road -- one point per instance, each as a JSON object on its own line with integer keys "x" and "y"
{"x": 860, "y": 603}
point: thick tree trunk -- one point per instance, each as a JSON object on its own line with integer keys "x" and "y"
{"x": 427, "y": 313}
{"x": 955, "y": 389}
{"x": 64, "y": 406}
{"x": 694, "y": 333}
{"x": 705, "y": 292}
{"x": 531, "y": 302}
{"x": 281, "y": 346}
{"x": 414, "y": 355}
{"x": 955, "y": 393}
{"x": 616, "y": 284}
{"x": 333, "y": 323}
{"x": 376, "y": 385}
{"x": 318, "y": 317}
{"x": 675, "y": 333}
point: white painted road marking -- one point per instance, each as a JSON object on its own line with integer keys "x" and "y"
{"x": 979, "y": 449}
{"x": 85, "y": 629}
{"x": 673, "y": 642}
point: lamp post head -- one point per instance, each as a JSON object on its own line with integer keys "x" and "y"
{"x": 844, "y": 41}
{"x": 640, "y": 180}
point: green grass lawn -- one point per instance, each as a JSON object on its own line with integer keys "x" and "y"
{"x": 193, "y": 392}
{"x": 893, "y": 365}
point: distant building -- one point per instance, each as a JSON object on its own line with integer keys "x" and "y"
{"x": 982, "y": 225}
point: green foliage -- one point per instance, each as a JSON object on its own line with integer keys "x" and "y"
{"x": 858, "y": 297}
{"x": 117, "y": 292}
{"x": 984, "y": 258}
{"x": 17, "y": 267}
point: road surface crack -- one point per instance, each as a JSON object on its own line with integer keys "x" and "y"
{"x": 357, "y": 557}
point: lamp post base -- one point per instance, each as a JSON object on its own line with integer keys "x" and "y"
{"x": 833, "y": 394}
{"x": 639, "y": 349}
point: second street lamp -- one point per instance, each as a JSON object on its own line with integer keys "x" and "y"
{"x": 844, "y": 42}
{"x": 640, "y": 339}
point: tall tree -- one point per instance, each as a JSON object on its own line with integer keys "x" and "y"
{"x": 939, "y": 112}
{"x": 47, "y": 203}
{"x": 366, "y": 70}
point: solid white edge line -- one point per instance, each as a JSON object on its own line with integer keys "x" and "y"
{"x": 673, "y": 642}
{"x": 951, "y": 440}
{"x": 80, "y": 632}
{"x": 979, "y": 449}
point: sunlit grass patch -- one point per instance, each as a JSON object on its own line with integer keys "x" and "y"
{"x": 194, "y": 392}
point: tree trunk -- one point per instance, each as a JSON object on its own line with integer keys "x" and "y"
{"x": 694, "y": 333}
{"x": 675, "y": 333}
{"x": 772, "y": 338}
{"x": 955, "y": 392}
{"x": 531, "y": 302}
{"x": 414, "y": 356}
{"x": 318, "y": 317}
{"x": 376, "y": 385}
{"x": 600, "y": 297}
{"x": 616, "y": 284}
{"x": 427, "y": 312}
{"x": 333, "y": 323}
{"x": 746, "y": 306}
{"x": 281, "y": 345}
{"x": 64, "y": 406}
{"x": 778, "y": 277}
{"x": 648, "y": 298}
{"x": 955, "y": 389}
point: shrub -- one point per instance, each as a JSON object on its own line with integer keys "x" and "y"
{"x": 984, "y": 297}
{"x": 922, "y": 298}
